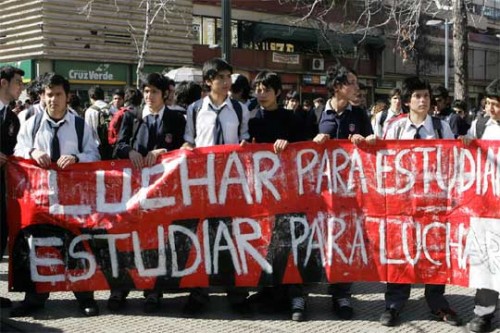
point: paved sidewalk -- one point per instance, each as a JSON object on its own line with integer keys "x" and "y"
{"x": 61, "y": 314}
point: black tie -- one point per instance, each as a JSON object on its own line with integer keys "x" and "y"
{"x": 219, "y": 134}
{"x": 55, "y": 147}
{"x": 153, "y": 132}
{"x": 417, "y": 134}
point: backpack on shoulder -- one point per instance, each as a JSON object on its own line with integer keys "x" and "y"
{"x": 103, "y": 121}
{"x": 79, "y": 128}
{"x": 481, "y": 126}
{"x": 197, "y": 107}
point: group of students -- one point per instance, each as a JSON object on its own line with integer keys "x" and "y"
{"x": 56, "y": 135}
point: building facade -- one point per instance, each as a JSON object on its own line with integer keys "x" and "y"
{"x": 98, "y": 44}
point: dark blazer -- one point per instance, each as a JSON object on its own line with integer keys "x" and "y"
{"x": 9, "y": 127}
{"x": 170, "y": 136}
{"x": 354, "y": 121}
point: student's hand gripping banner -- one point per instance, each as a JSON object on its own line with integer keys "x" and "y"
{"x": 400, "y": 211}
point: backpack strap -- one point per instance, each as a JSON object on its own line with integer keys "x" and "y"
{"x": 383, "y": 117}
{"x": 196, "y": 107}
{"x": 438, "y": 127}
{"x": 239, "y": 113}
{"x": 79, "y": 128}
{"x": 36, "y": 126}
{"x": 30, "y": 112}
{"x": 481, "y": 126}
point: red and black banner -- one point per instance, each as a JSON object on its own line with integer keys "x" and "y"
{"x": 400, "y": 211}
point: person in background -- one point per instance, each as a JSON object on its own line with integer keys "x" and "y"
{"x": 292, "y": 101}
{"x": 116, "y": 101}
{"x": 376, "y": 110}
{"x": 186, "y": 93}
{"x": 458, "y": 121}
{"x": 319, "y": 106}
{"x": 442, "y": 108}
{"x": 384, "y": 118}
{"x": 11, "y": 86}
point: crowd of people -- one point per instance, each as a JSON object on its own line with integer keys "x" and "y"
{"x": 142, "y": 123}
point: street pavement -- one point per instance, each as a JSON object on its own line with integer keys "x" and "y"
{"x": 61, "y": 314}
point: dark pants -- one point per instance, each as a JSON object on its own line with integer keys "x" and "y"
{"x": 40, "y": 298}
{"x": 340, "y": 290}
{"x": 485, "y": 302}
{"x": 397, "y": 294}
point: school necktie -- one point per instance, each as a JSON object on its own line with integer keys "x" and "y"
{"x": 417, "y": 133}
{"x": 153, "y": 131}
{"x": 218, "y": 133}
{"x": 55, "y": 147}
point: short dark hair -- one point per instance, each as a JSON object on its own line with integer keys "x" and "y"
{"x": 74, "y": 102}
{"x": 96, "y": 93}
{"x": 336, "y": 75}
{"x": 133, "y": 96}
{"x": 440, "y": 91}
{"x": 52, "y": 79}
{"x": 459, "y": 104}
{"x": 493, "y": 89}
{"x": 319, "y": 100}
{"x": 410, "y": 84}
{"x": 34, "y": 89}
{"x": 241, "y": 85}
{"x": 156, "y": 80}
{"x": 268, "y": 79}
{"x": 213, "y": 66}
{"x": 187, "y": 92}
{"x": 8, "y": 72}
{"x": 293, "y": 95}
{"x": 394, "y": 92}
{"x": 119, "y": 92}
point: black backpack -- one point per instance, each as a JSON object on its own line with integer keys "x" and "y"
{"x": 105, "y": 149}
{"x": 196, "y": 106}
{"x": 481, "y": 126}
{"x": 79, "y": 128}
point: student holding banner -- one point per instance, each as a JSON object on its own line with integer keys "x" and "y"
{"x": 487, "y": 128}
{"x": 342, "y": 120}
{"x": 143, "y": 138}
{"x": 214, "y": 120}
{"x": 56, "y": 138}
{"x": 273, "y": 124}
{"x": 11, "y": 86}
{"x": 416, "y": 94}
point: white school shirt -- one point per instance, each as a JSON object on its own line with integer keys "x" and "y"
{"x": 407, "y": 130}
{"x": 206, "y": 120}
{"x": 68, "y": 139}
{"x": 491, "y": 131}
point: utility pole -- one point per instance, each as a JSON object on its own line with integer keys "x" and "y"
{"x": 460, "y": 50}
{"x": 226, "y": 30}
